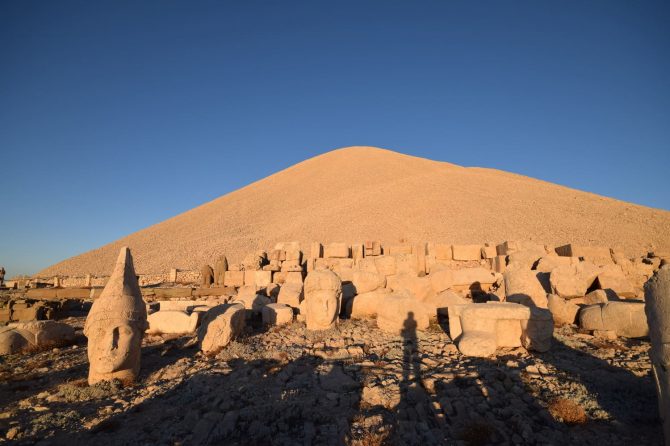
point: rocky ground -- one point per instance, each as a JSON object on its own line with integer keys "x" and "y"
{"x": 354, "y": 385}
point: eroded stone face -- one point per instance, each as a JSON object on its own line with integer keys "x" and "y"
{"x": 323, "y": 292}
{"x": 114, "y": 346}
{"x": 115, "y": 326}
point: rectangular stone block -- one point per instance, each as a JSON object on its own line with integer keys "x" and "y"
{"x": 357, "y": 251}
{"x": 315, "y": 250}
{"x": 489, "y": 252}
{"x": 294, "y": 255}
{"x": 234, "y": 278}
{"x": 214, "y": 291}
{"x": 394, "y": 250}
{"x": 336, "y": 250}
{"x": 263, "y": 278}
{"x": 373, "y": 248}
{"x": 466, "y": 252}
{"x": 443, "y": 252}
{"x": 595, "y": 254}
{"x": 293, "y": 277}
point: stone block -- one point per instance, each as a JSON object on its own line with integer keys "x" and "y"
{"x": 599, "y": 255}
{"x": 441, "y": 280}
{"x": 523, "y": 287}
{"x": 488, "y": 252}
{"x": 466, "y": 252}
{"x": 372, "y": 248}
{"x": 564, "y": 311}
{"x": 172, "y": 322}
{"x": 573, "y": 280}
{"x": 394, "y": 250}
{"x": 443, "y": 252}
{"x": 234, "y": 278}
{"x": 365, "y": 282}
{"x": 336, "y": 250}
{"x": 220, "y": 325}
{"x": 277, "y": 314}
{"x": 366, "y": 305}
{"x": 403, "y": 315}
{"x": 625, "y": 318}
{"x": 290, "y": 294}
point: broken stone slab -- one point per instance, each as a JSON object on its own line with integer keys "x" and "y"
{"x": 571, "y": 281}
{"x": 523, "y": 287}
{"x": 440, "y": 303}
{"x": 403, "y": 315}
{"x": 234, "y": 279}
{"x": 386, "y": 265}
{"x": 18, "y": 337}
{"x": 336, "y": 250}
{"x": 613, "y": 279}
{"x": 480, "y": 329}
{"x": 599, "y": 255}
{"x": 625, "y": 318}
{"x": 252, "y": 301}
{"x": 277, "y": 314}
{"x": 474, "y": 279}
{"x": 418, "y": 287}
{"x": 220, "y": 325}
{"x": 466, "y": 252}
{"x": 442, "y": 251}
{"x": 290, "y": 294}
{"x": 366, "y": 305}
{"x": 365, "y": 282}
{"x": 564, "y": 311}
{"x": 488, "y": 251}
{"x": 441, "y": 280}
{"x": 172, "y": 322}
{"x": 206, "y": 276}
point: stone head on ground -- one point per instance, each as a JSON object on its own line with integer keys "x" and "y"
{"x": 115, "y": 326}
{"x": 323, "y": 294}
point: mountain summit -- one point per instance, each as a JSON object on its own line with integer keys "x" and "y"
{"x": 366, "y": 193}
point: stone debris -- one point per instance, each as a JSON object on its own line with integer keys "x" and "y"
{"x": 277, "y": 314}
{"x": 172, "y": 322}
{"x": 625, "y": 318}
{"x": 22, "y": 336}
{"x": 220, "y": 325}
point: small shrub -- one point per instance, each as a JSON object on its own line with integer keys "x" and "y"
{"x": 567, "y": 411}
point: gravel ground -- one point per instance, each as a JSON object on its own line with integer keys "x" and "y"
{"x": 352, "y": 385}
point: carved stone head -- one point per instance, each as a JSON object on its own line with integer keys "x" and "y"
{"x": 323, "y": 293}
{"x": 115, "y": 326}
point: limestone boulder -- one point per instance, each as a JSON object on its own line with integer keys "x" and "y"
{"x": 441, "y": 279}
{"x": 419, "y": 287}
{"x": 386, "y": 265}
{"x": 627, "y": 319}
{"x": 220, "y": 325}
{"x": 36, "y": 334}
{"x": 596, "y": 297}
{"x": 366, "y": 305}
{"x": 277, "y": 314}
{"x": 523, "y": 286}
{"x": 364, "y": 281}
{"x": 336, "y": 250}
{"x": 564, "y": 311}
{"x": 251, "y": 300}
{"x": 614, "y": 280}
{"x": 571, "y": 281}
{"x": 474, "y": 279}
{"x": 440, "y": 303}
{"x": 172, "y": 322}
{"x": 538, "y": 330}
{"x": 479, "y": 329}
{"x": 290, "y": 294}
{"x": 403, "y": 315}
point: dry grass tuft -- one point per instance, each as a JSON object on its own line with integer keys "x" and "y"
{"x": 567, "y": 411}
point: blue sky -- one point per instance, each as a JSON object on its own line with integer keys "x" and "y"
{"x": 117, "y": 115}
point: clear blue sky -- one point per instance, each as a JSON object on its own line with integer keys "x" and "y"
{"x": 117, "y": 115}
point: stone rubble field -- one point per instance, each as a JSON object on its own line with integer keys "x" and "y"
{"x": 353, "y": 384}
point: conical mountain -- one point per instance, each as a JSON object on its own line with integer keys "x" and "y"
{"x": 365, "y": 193}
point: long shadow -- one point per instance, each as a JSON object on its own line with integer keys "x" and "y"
{"x": 628, "y": 398}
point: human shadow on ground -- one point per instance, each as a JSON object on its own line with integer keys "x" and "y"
{"x": 240, "y": 402}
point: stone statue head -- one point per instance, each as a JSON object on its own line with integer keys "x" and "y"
{"x": 115, "y": 326}
{"x": 323, "y": 293}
